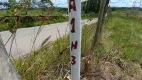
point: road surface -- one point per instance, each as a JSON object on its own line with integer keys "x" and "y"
{"x": 25, "y": 36}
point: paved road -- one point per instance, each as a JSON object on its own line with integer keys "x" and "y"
{"x": 25, "y": 36}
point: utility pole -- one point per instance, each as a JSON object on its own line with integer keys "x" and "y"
{"x": 75, "y": 37}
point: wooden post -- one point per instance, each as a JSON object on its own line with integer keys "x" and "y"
{"x": 101, "y": 18}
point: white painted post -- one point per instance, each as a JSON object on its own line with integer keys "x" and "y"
{"x": 75, "y": 37}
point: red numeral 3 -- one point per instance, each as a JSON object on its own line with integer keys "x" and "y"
{"x": 73, "y": 60}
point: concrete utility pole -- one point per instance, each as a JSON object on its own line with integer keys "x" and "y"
{"x": 75, "y": 37}
{"x": 7, "y": 70}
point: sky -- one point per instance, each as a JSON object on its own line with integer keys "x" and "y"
{"x": 113, "y": 3}
{"x": 125, "y": 3}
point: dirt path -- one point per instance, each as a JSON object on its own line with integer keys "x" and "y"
{"x": 25, "y": 36}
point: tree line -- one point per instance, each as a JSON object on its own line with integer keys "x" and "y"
{"x": 91, "y": 6}
{"x": 27, "y": 3}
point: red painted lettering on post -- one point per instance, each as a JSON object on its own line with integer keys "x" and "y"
{"x": 74, "y": 45}
{"x": 73, "y": 60}
{"x": 72, "y": 6}
{"x": 73, "y": 25}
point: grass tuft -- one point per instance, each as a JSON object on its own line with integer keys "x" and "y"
{"x": 53, "y": 60}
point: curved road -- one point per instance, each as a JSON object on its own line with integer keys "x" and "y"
{"x": 25, "y": 37}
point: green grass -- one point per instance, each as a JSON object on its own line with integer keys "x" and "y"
{"x": 37, "y": 12}
{"x": 3, "y": 12}
{"x": 121, "y": 43}
{"x": 126, "y": 33}
{"x": 4, "y": 25}
{"x": 37, "y": 21}
{"x": 50, "y": 62}
{"x": 89, "y": 16}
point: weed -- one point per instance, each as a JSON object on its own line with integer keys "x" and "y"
{"x": 53, "y": 59}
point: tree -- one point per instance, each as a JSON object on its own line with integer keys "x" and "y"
{"x": 91, "y": 6}
{"x": 8, "y": 4}
{"x": 101, "y": 18}
{"x": 45, "y": 3}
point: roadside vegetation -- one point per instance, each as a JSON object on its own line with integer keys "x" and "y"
{"x": 24, "y": 14}
{"x": 52, "y": 61}
{"x": 111, "y": 48}
{"x": 118, "y": 54}
{"x": 120, "y": 48}
{"x": 127, "y": 35}
{"x": 33, "y": 18}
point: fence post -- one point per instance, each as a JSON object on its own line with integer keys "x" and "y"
{"x": 7, "y": 70}
{"x": 74, "y": 9}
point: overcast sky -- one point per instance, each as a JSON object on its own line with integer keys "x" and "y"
{"x": 114, "y": 3}
{"x": 125, "y": 3}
